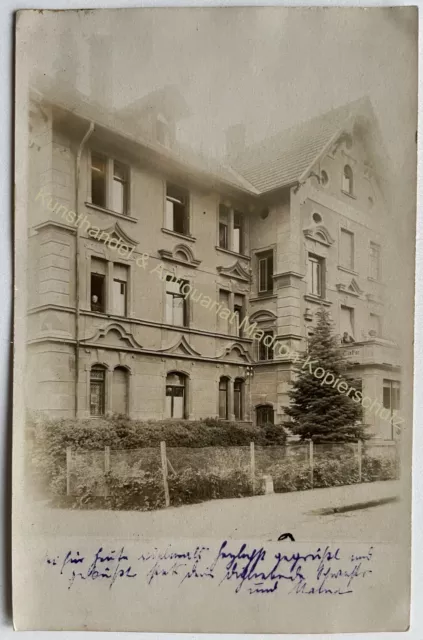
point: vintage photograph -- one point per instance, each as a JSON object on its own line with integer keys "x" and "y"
{"x": 214, "y": 259}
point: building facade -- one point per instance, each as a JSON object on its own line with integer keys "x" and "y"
{"x": 149, "y": 263}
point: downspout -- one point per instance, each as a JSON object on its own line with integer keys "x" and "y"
{"x": 77, "y": 252}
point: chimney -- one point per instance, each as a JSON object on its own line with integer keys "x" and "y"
{"x": 235, "y": 139}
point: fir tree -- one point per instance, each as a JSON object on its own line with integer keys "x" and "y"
{"x": 320, "y": 411}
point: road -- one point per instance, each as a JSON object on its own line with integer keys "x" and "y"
{"x": 261, "y": 517}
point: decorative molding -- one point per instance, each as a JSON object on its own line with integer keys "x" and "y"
{"x": 236, "y": 271}
{"x": 170, "y": 256}
{"x": 55, "y": 225}
{"x": 114, "y": 232}
{"x": 287, "y": 279}
{"x": 125, "y": 336}
{"x": 319, "y": 233}
{"x": 262, "y": 315}
{"x": 352, "y": 289}
{"x": 182, "y": 346}
{"x": 239, "y": 349}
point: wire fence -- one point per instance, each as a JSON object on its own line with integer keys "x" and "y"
{"x": 164, "y": 475}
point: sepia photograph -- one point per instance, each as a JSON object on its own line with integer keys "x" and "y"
{"x": 214, "y": 316}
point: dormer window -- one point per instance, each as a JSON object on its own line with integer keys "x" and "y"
{"x": 347, "y": 180}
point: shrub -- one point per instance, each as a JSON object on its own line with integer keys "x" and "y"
{"x": 191, "y": 486}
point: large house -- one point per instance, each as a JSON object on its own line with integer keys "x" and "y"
{"x": 124, "y": 222}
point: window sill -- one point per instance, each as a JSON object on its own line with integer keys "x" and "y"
{"x": 350, "y": 195}
{"x": 122, "y": 216}
{"x": 232, "y": 253}
{"x": 374, "y": 280}
{"x": 311, "y": 298}
{"x": 261, "y": 296}
{"x": 178, "y": 235}
{"x": 347, "y": 270}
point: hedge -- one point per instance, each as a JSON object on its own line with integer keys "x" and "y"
{"x": 50, "y": 438}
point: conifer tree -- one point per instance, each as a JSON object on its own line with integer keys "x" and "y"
{"x": 318, "y": 410}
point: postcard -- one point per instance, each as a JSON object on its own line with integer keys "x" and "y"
{"x": 214, "y": 314}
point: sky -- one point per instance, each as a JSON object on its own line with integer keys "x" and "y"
{"x": 268, "y": 68}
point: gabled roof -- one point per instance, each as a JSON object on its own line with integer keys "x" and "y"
{"x": 282, "y": 159}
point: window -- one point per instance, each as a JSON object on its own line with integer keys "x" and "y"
{"x": 175, "y": 395}
{"x": 347, "y": 180}
{"x": 374, "y": 266}
{"x": 98, "y": 180}
{"x": 265, "y": 272}
{"x": 223, "y": 399}
{"x": 238, "y": 399}
{"x": 238, "y": 236}
{"x": 265, "y": 352}
{"x": 265, "y": 414}
{"x": 224, "y": 301}
{"x": 120, "y": 391}
{"x": 315, "y": 275}
{"x": 176, "y": 305}
{"x": 391, "y": 399}
{"x": 347, "y": 324}
{"x": 97, "y": 391}
{"x": 177, "y": 217}
{"x": 120, "y": 190}
{"x": 239, "y": 313}
{"x": 231, "y": 229}
{"x": 223, "y": 227}
{"x": 120, "y": 287}
{"x": 109, "y": 184}
{"x": 375, "y": 325}
{"x": 98, "y": 285}
{"x": 346, "y": 249}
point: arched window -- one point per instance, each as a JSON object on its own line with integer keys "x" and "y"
{"x": 347, "y": 180}
{"x": 175, "y": 395}
{"x": 120, "y": 391}
{"x": 97, "y": 390}
{"x": 223, "y": 398}
{"x": 239, "y": 399}
{"x": 265, "y": 414}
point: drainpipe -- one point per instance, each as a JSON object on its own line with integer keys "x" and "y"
{"x": 77, "y": 252}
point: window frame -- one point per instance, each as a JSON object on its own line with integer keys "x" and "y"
{"x": 264, "y": 408}
{"x": 238, "y": 398}
{"x": 183, "y": 386}
{"x": 110, "y": 177}
{"x": 173, "y": 295}
{"x": 348, "y": 188}
{"x": 223, "y": 379}
{"x": 263, "y": 349}
{"x": 321, "y": 263}
{"x": 98, "y": 383}
{"x": 344, "y": 233}
{"x": 263, "y": 259}
{"x": 187, "y": 209}
{"x": 351, "y": 311}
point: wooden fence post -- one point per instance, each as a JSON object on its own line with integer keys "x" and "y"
{"x": 106, "y": 467}
{"x": 68, "y": 470}
{"x": 360, "y": 459}
{"x": 311, "y": 459}
{"x": 164, "y": 472}
{"x": 253, "y": 467}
